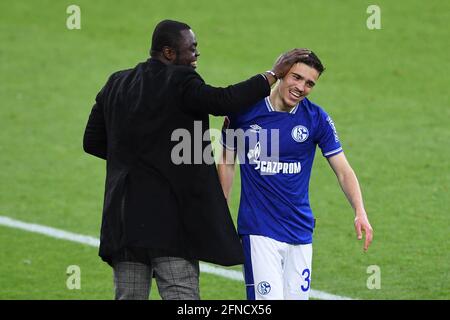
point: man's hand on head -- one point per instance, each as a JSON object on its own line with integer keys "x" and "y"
{"x": 284, "y": 62}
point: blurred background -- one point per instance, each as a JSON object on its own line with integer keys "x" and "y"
{"x": 386, "y": 89}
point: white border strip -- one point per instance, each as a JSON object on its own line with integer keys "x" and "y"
{"x": 332, "y": 152}
{"x": 269, "y": 104}
{"x": 94, "y": 242}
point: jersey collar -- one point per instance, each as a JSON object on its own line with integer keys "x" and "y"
{"x": 272, "y": 109}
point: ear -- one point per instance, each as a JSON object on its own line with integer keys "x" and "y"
{"x": 169, "y": 53}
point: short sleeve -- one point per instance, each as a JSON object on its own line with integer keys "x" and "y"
{"x": 327, "y": 137}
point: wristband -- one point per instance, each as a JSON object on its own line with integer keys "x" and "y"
{"x": 273, "y": 74}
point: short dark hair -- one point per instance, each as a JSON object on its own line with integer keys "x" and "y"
{"x": 313, "y": 61}
{"x": 167, "y": 33}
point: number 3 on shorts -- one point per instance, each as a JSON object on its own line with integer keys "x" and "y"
{"x": 307, "y": 279}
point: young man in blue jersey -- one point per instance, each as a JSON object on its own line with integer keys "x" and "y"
{"x": 275, "y": 141}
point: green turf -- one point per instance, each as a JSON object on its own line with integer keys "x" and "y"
{"x": 386, "y": 90}
{"x": 36, "y": 267}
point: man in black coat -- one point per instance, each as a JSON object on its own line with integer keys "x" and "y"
{"x": 161, "y": 217}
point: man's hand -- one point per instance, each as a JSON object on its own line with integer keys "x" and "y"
{"x": 286, "y": 60}
{"x": 362, "y": 225}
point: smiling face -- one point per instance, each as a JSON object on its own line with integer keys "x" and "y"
{"x": 187, "y": 53}
{"x": 295, "y": 85}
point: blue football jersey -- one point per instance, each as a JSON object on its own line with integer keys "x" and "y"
{"x": 276, "y": 152}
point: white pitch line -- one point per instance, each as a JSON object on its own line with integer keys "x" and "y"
{"x": 94, "y": 242}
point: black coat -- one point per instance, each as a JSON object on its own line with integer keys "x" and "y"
{"x": 151, "y": 202}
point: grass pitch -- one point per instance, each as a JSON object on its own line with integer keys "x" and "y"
{"x": 387, "y": 91}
